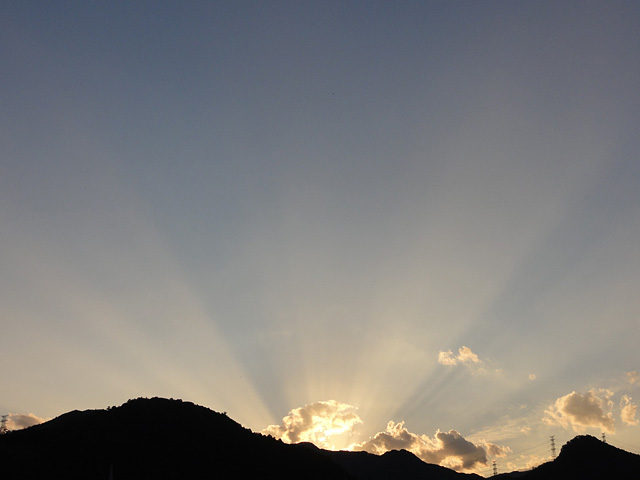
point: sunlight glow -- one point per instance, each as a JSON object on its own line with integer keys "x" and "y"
{"x": 142, "y": 326}
{"x": 328, "y": 424}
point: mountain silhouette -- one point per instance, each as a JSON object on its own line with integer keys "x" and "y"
{"x": 585, "y": 458}
{"x": 170, "y": 439}
{"x": 392, "y": 465}
{"x": 154, "y": 439}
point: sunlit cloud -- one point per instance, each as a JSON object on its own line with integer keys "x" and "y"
{"x": 18, "y": 421}
{"x": 447, "y": 358}
{"x": 465, "y": 356}
{"x": 329, "y": 423}
{"x": 449, "y": 449}
{"x": 581, "y": 411}
{"x": 324, "y": 424}
{"x": 628, "y": 411}
{"x": 532, "y": 376}
{"x": 633, "y": 377}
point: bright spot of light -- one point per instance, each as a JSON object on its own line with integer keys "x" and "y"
{"x": 328, "y": 424}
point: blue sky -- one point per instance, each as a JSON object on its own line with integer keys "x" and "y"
{"x": 419, "y": 212}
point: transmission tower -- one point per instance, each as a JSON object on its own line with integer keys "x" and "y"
{"x": 604, "y": 438}
{"x": 553, "y": 447}
{"x": 495, "y": 468}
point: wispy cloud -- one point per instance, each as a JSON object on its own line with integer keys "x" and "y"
{"x": 628, "y": 410}
{"x": 506, "y": 428}
{"x": 581, "y": 411}
{"x": 319, "y": 423}
{"x": 449, "y": 449}
{"x": 633, "y": 377}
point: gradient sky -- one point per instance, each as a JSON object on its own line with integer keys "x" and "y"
{"x": 418, "y": 212}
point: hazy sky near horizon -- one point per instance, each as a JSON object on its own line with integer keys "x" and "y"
{"x": 429, "y": 211}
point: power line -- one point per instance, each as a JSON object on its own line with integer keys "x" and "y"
{"x": 540, "y": 451}
{"x": 534, "y": 449}
{"x": 628, "y": 447}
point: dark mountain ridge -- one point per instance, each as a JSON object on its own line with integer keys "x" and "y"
{"x": 586, "y": 457}
{"x": 162, "y": 439}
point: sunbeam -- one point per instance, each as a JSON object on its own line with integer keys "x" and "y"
{"x": 424, "y": 216}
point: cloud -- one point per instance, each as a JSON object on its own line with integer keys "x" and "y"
{"x": 17, "y": 421}
{"x": 465, "y": 356}
{"x": 327, "y": 423}
{"x": 532, "y": 376}
{"x": 321, "y": 423}
{"x": 448, "y": 449}
{"x": 582, "y": 411}
{"x": 447, "y": 358}
{"x": 633, "y": 377}
{"x": 628, "y": 411}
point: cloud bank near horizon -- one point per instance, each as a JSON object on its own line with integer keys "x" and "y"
{"x": 318, "y": 423}
{"x": 449, "y": 449}
{"x": 18, "y": 421}
{"x": 322, "y": 423}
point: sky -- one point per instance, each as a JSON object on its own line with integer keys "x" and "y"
{"x": 370, "y": 225}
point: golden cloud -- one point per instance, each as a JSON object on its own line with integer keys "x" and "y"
{"x": 581, "y": 411}
{"x": 466, "y": 357}
{"x": 448, "y": 449}
{"x": 628, "y": 411}
{"x": 18, "y": 421}
{"x": 320, "y": 423}
{"x": 327, "y": 423}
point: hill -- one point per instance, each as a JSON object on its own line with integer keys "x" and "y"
{"x": 171, "y": 439}
{"x": 585, "y": 458}
{"x": 162, "y": 439}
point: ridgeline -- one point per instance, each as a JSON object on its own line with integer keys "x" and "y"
{"x": 170, "y": 439}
